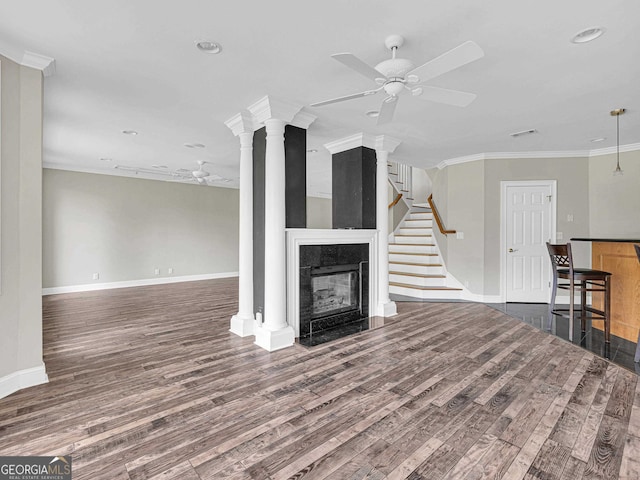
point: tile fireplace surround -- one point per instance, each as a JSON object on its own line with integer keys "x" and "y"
{"x": 300, "y": 236}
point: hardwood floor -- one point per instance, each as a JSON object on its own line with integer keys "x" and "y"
{"x": 149, "y": 383}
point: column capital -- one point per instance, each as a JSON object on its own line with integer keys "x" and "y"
{"x": 386, "y": 143}
{"x": 242, "y": 122}
{"x": 269, "y": 107}
{"x": 380, "y": 142}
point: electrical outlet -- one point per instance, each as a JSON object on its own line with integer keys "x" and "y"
{"x": 459, "y": 235}
{"x": 96, "y": 276}
{"x": 170, "y": 270}
{"x": 570, "y": 217}
{"x": 157, "y": 271}
{"x": 559, "y": 235}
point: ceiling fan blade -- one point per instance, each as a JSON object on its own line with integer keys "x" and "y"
{"x": 457, "y": 57}
{"x": 346, "y": 97}
{"x": 387, "y": 110}
{"x": 443, "y": 95}
{"x": 358, "y": 65}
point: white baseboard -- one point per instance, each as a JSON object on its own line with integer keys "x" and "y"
{"x": 28, "y": 377}
{"x": 135, "y": 283}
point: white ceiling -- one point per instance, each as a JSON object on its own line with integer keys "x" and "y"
{"x": 123, "y": 64}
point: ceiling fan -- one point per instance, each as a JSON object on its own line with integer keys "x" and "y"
{"x": 201, "y": 175}
{"x": 397, "y": 75}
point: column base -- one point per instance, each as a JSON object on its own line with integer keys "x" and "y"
{"x": 241, "y": 325}
{"x": 274, "y": 340}
{"x": 387, "y": 309}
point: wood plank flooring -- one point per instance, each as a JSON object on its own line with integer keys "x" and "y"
{"x": 148, "y": 383}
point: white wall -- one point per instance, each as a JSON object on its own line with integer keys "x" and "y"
{"x": 21, "y": 227}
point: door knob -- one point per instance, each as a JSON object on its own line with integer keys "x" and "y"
{"x": 511, "y": 250}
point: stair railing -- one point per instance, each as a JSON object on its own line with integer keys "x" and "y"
{"x": 436, "y": 215}
{"x": 395, "y": 201}
{"x": 402, "y": 177}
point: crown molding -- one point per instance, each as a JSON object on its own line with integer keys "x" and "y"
{"x": 39, "y": 62}
{"x": 303, "y": 119}
{"x": 29, "y": 59}
{"x": 274, "y": 108}
{"x": 386, "y": 143}
{"x": 631, "y": 147}
{"x": 350, "y": 142}
{"x": 380, "y": 142}
{"x": 528, "y": 155}
{"x": 242, "y": 122}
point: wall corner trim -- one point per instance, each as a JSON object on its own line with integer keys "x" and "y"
{"x": 28, "y": 377}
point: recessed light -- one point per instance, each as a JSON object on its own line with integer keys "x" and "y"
{"x": 130, "y": 132}
{"x": 209, "y": 47}
{"x": 587, "y": 35}
{"x": 106, "y": 159}
{"x": 194, "y": 145}
{"x": 596, "y": 140}
{"x": 159, "y": 166}
{"x": 312, "y": 150}
{"x": 372, "y": 113}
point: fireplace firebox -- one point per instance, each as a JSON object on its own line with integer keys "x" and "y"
{"x": 334, "y": 291}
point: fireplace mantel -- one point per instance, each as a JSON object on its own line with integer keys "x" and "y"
{"x": 305, "y": 236}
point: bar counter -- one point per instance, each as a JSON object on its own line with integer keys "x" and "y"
{"x": 618, "y": 257}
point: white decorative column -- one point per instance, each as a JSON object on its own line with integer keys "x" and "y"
{"x": 242, "y": 323}
{"x": 384, "y": 145}
{"x": 274, "y": 332}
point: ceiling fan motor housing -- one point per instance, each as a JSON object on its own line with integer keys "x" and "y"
{"x": 395, "y": 67}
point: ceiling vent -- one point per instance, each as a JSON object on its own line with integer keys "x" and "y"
{"x": 523, "y": 133}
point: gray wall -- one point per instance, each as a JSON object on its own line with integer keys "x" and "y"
{"x": 318, "y": 212}
{"x": 468, "y": 198}
{"x": 440, "y": 191}
{"x": 123, "y": 228}
{"x": 466, "y": 213}
{"x": 20, "y": 217}
{"x": 614, "y": 202}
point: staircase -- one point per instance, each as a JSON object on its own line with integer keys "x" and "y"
{"x": 415, "y": 265}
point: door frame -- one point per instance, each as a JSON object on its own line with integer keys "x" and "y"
{"x": 504, "y": 184}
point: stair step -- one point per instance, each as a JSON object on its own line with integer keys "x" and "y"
{"x": 413, "y": 244}
{"x": 414, "y": 254}
{"x": 404, "y": 268}
{"x": 404, "y": 285}
{"x": 411, "y": 235}
{"x": 418, "y": 279}
{"x": 420, "y": 275}
{"x": 417, "y": 264}
{"x": 412, "y": 231}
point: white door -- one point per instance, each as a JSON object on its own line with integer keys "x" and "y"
{"x": 529, "y": 217}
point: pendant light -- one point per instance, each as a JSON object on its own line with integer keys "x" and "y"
{"x": 616, "y": 113}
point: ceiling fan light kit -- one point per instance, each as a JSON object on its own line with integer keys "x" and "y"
{"x": 395, "y": 75}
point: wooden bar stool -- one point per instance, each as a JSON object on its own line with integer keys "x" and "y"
{"x": 580, "y": 279}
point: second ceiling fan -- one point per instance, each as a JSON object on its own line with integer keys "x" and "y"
{"x": 397, "y": 75}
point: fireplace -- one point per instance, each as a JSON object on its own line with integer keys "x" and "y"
{"x": 334, "y": 291}
{"x": 327, "y": 252}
